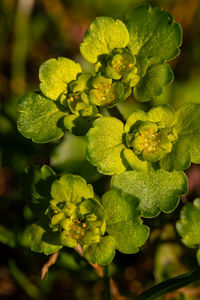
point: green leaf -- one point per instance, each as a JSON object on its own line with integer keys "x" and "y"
{"x": 164, "y": 115}
{"x": 7, "y": 237}
{"x": 42, "y": 240}
{"x": 40, "y": 119}
{"x": 153, "y": 84}
{"x": 188, "y": 226}
{"x": 179, "y": 158}
{"x": 153, "y": 34}
{"x": 90, "y": 206}
{"x": 79, "y": 125}
{"x": 72, "y": 188}
{"x": 55, "y": 74}
{"x": 36, "y": 184}
{"x": 170, "y": 285}
{"x": 104, "y": 35}
{"x": 105, "y": 146}
{"x": 101, "y": 253}
{"x": 124, "y": 222}
{"x": 157, "y": 189}
{"x": 188, "y": 128}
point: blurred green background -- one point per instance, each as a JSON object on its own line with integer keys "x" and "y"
{"x": 31, "y": 31}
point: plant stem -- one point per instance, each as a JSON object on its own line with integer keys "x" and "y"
{"x": 107, "y": 295}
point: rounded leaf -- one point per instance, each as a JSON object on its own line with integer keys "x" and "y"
{"x": 104, "y": 35}
{"x": 101, "y": 253}
{"x": 188, "y": 128}
{"x": 55, "y": 74}
{"x": 40, "y": 119}
{"x": 153, "y": 84}
{"x": 123, "y": 221}
{"x": 157, "y": 189}
{"x": 188, "y": 226}
{"x": 71, "y": 188}
{"x": 153, "y": 33}
{"x": 105, "y": 146}
{"x": 41, "y": 239}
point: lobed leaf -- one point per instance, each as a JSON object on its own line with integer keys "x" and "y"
{"x": 55, "y": 74}
{"x": 153, "y": 34}
{"x": 42, "y": 240}
{"x": 157, "y": 189}
{"x": 72, "y": 188}
{"x": 104, "y": 35}
{"x": 40, "y": 119}
{"x": 153, "y": 84}
{"x": 123, "y": 221}
{"x": 105, "y": 145}
{"x": 188, "y": 226}
{"x": 188, "y": 128}
{"x": 36, "y": 184}
{"x": 101, "y": 253}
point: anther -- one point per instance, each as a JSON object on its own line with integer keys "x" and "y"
{"x": 77, "y": 236}
{"x": 56, "y": 211}
{"x": 130, "y": 65}
{"x": 84, "y": 225}
{"x": 71, "y": 99}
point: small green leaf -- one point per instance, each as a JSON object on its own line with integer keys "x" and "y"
{"x": 164, "y": 115}
{"x": 105, "y": 145}
{"x": 104, "y": 35}
{"x": 179, "y": 158}
{"x": 40, "y": 119}
{"x": 55, "y": 74}
{"x": 71, "y": 188}
{"x": 157, "y": 189}
{"x": 153, "y": 34}
{"x": 134, "y": 162}
{"x": 153, "y": 84}
{"x": 79, "y": 125}
{"x": 36, "y": 184}
{"x": 188, "y": 226}
{"x": 101, "y": 253}
{"x": 90, "y": 206}
{"x": 42, "y": 240}
{"x": 188, "y": 128}
{"x": 7, "y": 237}
{"x": 124, "y": 222}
